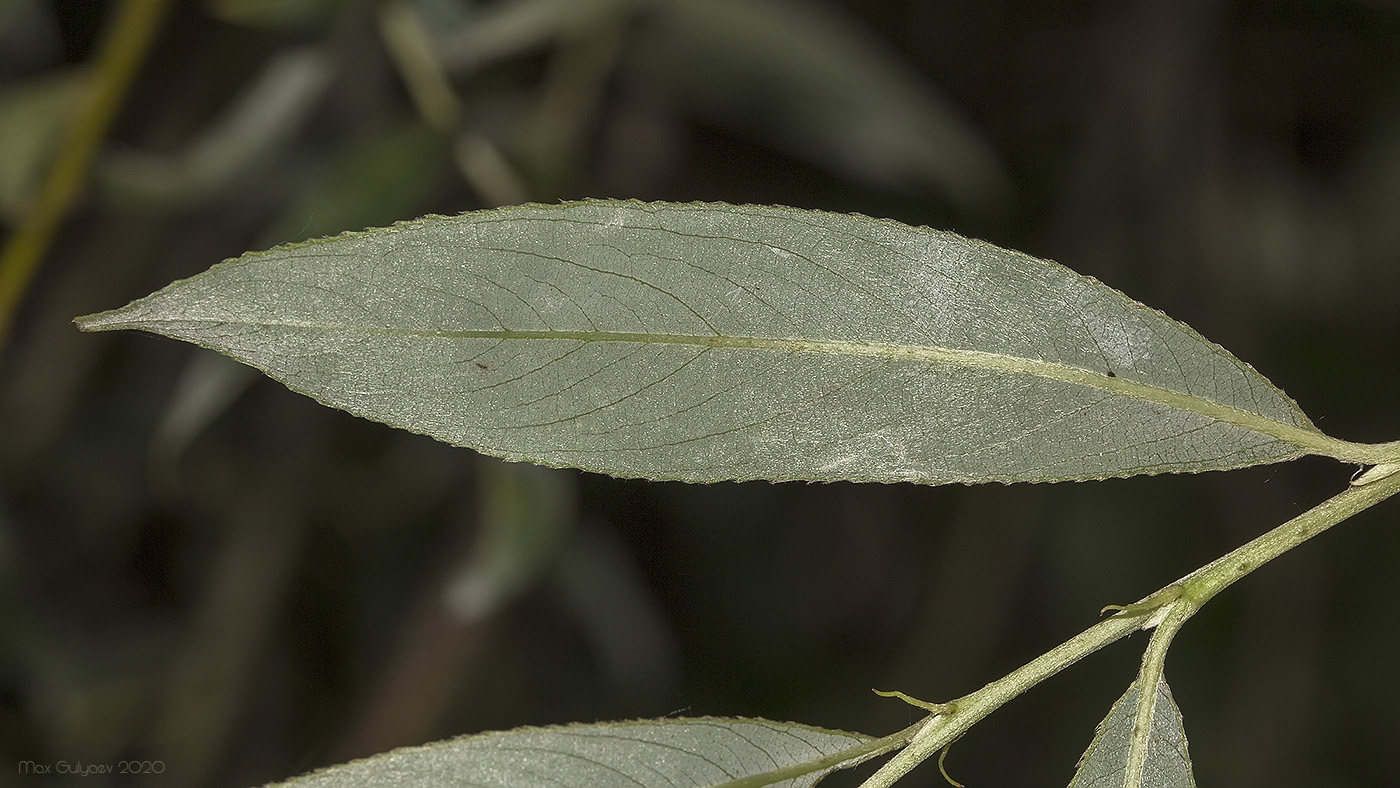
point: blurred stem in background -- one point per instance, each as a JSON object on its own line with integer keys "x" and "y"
{"x": 123, "y": 50}
{"x": 481, "y": 163}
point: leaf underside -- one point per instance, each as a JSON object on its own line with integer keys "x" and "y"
{"x": 1168, "y": 763}
{"x": 705, "y": 342}
{"x": 673, "y": 753}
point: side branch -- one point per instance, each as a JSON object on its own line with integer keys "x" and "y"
{"x": 1199, "y": 586}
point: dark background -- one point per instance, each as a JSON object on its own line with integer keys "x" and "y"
{"x": 201, "y": 568}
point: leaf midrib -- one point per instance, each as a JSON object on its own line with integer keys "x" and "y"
{"x": 1306, "y": 438}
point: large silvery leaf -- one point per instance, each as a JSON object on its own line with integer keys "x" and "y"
{"x": 708, "y": 342}
{"x": 1167, "y": 763}
{"x": 677, "y": 753}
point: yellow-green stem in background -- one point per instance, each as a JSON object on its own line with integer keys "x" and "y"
{"x": 123, "y": 49}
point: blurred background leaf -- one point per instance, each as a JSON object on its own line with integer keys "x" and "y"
{"x": 798, "y": 77}
{"x": 226, "y": 577}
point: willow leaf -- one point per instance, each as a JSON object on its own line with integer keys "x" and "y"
{"x": 1168, "y": 763}
{"x": 706, "y": 342}
{"x": 673, "y": 753}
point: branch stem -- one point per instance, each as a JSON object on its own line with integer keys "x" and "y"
{"x": 1198, "y": 587}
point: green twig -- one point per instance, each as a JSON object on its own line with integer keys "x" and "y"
{"x": 123, "y": 50}
{"x": 1197, "y": 588}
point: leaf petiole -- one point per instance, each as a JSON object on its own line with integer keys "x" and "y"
{"x": 1150, "y": 676}
{"x": 935, "y": 708}
{"x": 1158, "y": 600}
{"x": 1375, "y": 473}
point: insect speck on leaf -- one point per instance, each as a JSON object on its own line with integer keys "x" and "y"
{"x": 1111, "y": 375}
{"x": 480, "y": 365}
